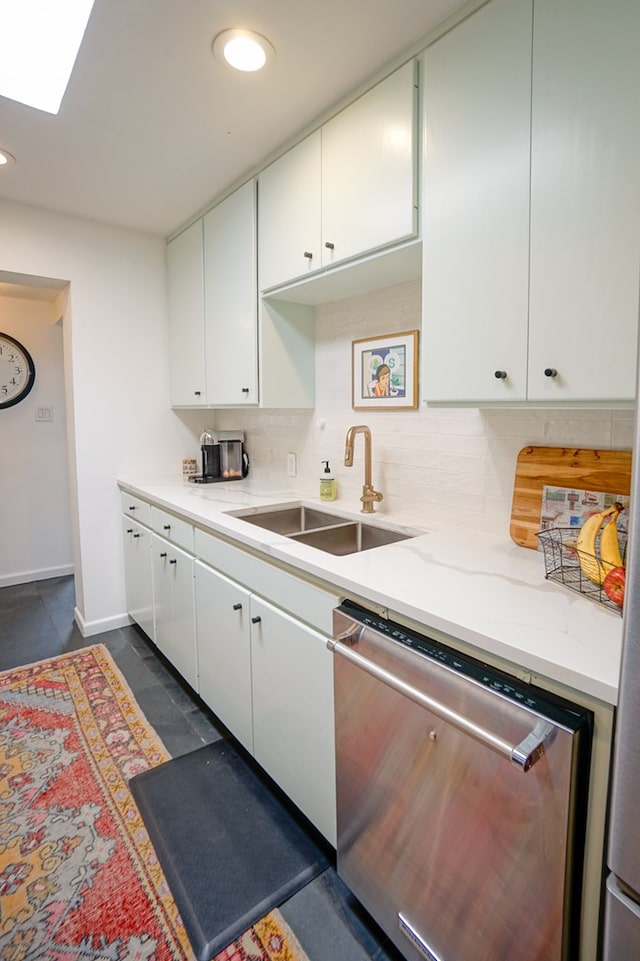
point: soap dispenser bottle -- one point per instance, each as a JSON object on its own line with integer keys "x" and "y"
{"x": 327, "y": 484}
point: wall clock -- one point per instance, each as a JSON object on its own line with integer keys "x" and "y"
{"x": 17, "y": 371}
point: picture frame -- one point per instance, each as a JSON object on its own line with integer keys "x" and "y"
{"x": 384, "y": 372}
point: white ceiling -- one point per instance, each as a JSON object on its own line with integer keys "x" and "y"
{"x": 152, "y": 128}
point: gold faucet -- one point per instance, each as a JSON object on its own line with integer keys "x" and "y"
{"x": 369, "y": 495}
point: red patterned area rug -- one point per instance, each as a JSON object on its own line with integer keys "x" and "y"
{"x": 79, "y": 879}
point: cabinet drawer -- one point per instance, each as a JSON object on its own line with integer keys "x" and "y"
{"x": 311, "y": 604}
{"x": 172, "y": 528}
{"x": 136, "y": 508}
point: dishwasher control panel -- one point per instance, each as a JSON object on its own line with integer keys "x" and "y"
{"x": 542, "y": 702}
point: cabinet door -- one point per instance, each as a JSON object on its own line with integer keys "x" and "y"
{"x": 186, "y": 318}
{"x": 230, "y": 297}
{"x": 137, "y": 572}
{"x": 173, "y": 597}
{"x": 289, "y": 215}
{"x": 585, "y": 200}
{"x": 369, "y": 153}
{"x": 293, "y": 720}
{"x": 224, "y": 651}
{"x": 477, "y": 89}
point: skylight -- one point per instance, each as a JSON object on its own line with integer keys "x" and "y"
{"x": 39, "y": 43}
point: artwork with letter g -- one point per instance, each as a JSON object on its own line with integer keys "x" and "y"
{"x": 384, "y": 371}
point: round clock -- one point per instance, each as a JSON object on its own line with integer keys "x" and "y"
{"x": 17, "y": 371}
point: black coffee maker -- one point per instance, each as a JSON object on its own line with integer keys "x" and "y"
{"x": 223, "y": 457}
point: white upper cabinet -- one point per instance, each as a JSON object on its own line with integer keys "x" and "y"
{"x": 231, "y": 300}
{"x": 585, "y": 200}
{"x": 369, "y": 171}
{"x": 533, "y": 297}
{"x": 289, "y": 234}
{"x": 186, "y": 318}
{"x": 347, "y": 189}
{"x": 477, "y": 91}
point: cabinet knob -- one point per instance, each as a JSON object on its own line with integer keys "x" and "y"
{"x": 256, "y": 620}
{"x": 237, "y": 607}
{"x": 173, "y": 561}
{"x": 197, "y": 393}
{"x": 129, "y": 530}
{"x": 136, "y": 535}
{"x": 164, "y": 554}
{"x": 166, "y": 527}
{"x": 308, "y": 255}
{"x": 550, "y": 372}
{"x": 132, "y": 508}
{"x": 245, "y": 390}
{"x": 329, "y": 245}
{"x": 500, "y": 374}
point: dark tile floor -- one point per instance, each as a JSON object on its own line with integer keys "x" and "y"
{"x": 36, "y": 622}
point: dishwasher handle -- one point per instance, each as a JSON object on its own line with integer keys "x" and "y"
{"x": 524, "y": 755}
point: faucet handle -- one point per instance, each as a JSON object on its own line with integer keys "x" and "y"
{"x": 369, "y": 495}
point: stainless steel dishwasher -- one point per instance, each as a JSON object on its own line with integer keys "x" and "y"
{"x": 461, "y": 798}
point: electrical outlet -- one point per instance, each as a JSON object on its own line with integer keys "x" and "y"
{"x": 292, "y": 465}
{"x": 44, "y": 414}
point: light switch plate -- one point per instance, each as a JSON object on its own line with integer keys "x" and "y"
{"x": 292, "y": 465}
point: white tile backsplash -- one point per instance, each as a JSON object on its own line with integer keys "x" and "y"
{"x": 438, "y": 465}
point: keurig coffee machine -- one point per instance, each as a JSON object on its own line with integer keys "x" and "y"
{"x": 223, "y": 457}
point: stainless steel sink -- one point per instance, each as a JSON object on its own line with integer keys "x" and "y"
{"x": 332, "y": 533}
{"x": 287, "y": 520}
{"x": 349, "y": 538}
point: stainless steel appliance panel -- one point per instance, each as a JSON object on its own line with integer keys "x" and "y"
{"x": 622, "y": 925}
{"x": 458, "y": 852}
{"x": 621, "y": 938}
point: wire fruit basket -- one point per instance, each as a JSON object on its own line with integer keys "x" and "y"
{"x": 562, "y": 564}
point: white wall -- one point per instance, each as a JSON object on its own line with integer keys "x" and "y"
{"x": 444, "y": 466}
{"x": 116, "y": 363}
{"x": 34, "y": 488}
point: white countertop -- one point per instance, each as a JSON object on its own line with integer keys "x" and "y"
{"x": 480, "y": 588}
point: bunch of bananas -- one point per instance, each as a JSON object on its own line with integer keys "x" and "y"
{"x": 597, "y": 561}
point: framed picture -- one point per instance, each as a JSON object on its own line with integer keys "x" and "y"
{"x": 385, "y": 372}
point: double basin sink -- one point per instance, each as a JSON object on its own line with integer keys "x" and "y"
{"x": 326, "y": 532}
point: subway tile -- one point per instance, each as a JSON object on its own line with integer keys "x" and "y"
{"x": 446, "y": 465}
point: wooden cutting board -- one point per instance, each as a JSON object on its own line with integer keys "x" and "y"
{"x": 592, "y": 470}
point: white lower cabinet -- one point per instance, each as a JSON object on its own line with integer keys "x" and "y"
{"x": 173, "y": 596}
{"x": 137, "y": 572}
{"x": 269, "y": 678}
{"x": 224, "y": 650}
{"x": 250, "y": 638}
{"x": 293, "y": 721}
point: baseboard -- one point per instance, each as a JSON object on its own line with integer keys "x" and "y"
{"x": 42, "y": 574}
{"x": 89, "y": 628}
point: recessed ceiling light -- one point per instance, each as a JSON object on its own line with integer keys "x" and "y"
{"x": 243, "y": 49}
{"x": 6, "y": 158}
{"x": 39, "y": 43}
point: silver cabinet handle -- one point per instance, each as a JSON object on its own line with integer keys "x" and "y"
{"x": 524, "y": 755}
